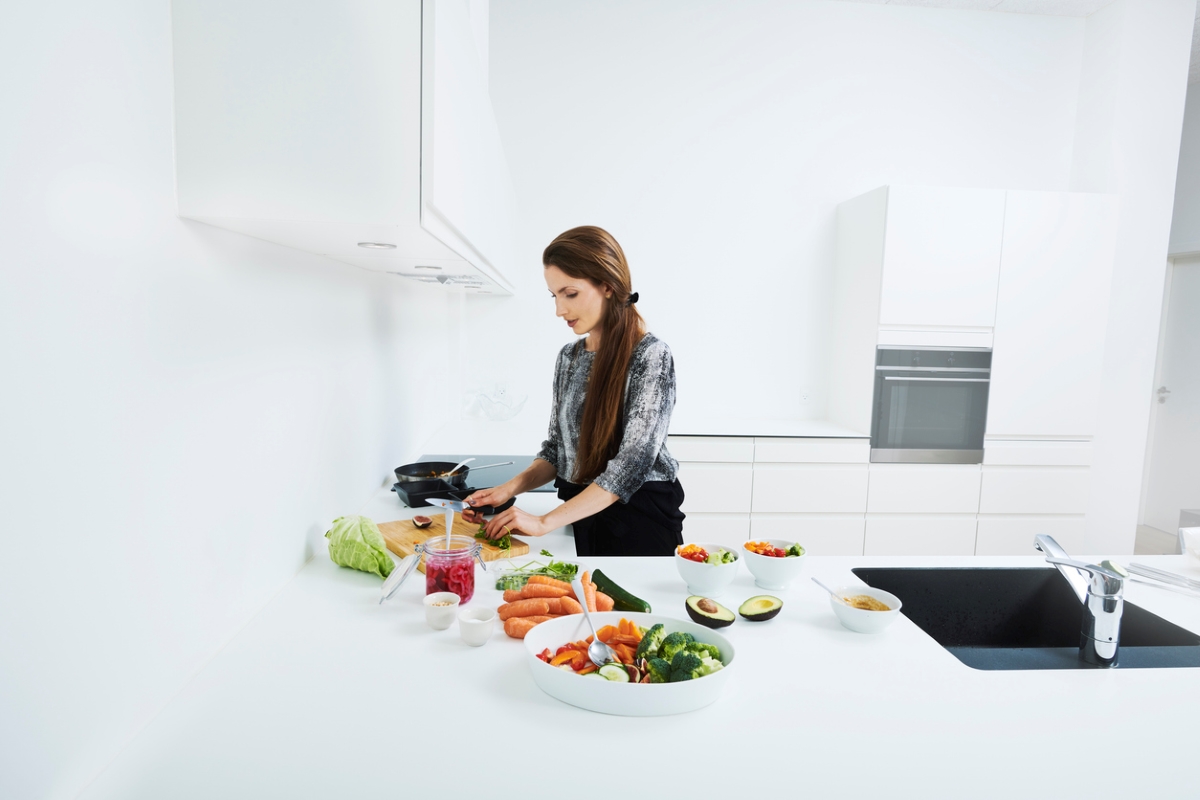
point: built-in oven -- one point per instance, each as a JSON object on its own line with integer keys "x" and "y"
{"x": 930, "y": 405}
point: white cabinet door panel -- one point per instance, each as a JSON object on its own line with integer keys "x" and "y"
{"x": 1037, "y": 454}
{"x": 1013, "y": 535}
{"x": 734, "y": 449}
{"x": 812, "y": 488}
{"x": 716, "y": 487}
{"x": 924, "y": 488}
{"x": 812, "y": 451}
{"x": 728, "y": 530}
{"x": 920, "y": 535}
{"x": 1034, "y": 490}
{"x": 818, "y": 534}
{"x": 941, "y": 256}
{"x": 1052, "y": 314}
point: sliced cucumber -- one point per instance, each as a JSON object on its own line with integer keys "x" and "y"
{"x": 614, "y": 672}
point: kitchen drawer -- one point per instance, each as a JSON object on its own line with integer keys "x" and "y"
{"x": 920, "y": 535}
{"x": 716, "y": 487}
{"x": 811, "y": 451}
{"x": 1034, "y": 490}
{"x": 712, "y": 448}
{"x": 810, "y": 488}
{"x": 1002, "y": 452}
{"x": 729, "y": 530}
{"x": 924, "y": 488}
{"x": 1012, "y": 535}
{"x": 818, "y": 534}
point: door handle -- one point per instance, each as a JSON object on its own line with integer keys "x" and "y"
{"x": 938, "y": 380}
{"x": 1162, "y": 394}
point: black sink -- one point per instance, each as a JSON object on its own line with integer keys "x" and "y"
{"x": 995, "y": 618}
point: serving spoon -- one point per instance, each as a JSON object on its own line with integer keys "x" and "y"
{"x": 840, "y": 599}
{"x": 598, "y": 651}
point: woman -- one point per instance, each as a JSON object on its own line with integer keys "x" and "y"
{"x": 613, "y": 395}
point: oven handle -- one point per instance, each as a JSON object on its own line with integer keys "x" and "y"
{"x": 938, "y": 380}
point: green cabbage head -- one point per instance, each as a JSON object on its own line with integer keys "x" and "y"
{"x": 356, "y": 542}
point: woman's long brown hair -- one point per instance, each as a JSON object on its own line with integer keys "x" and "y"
{"x": 592, "y": 254}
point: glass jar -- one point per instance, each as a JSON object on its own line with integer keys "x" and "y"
{"x": 451, "y": 568}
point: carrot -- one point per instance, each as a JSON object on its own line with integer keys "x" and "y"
{"x": 625, "y": 638}
{"x": 569, "y": 605}
{"x": 542, "y": 590}
{"x": 517, "y": 627}
{"x": 524, "y": 608}
{"x": 546, "y": 580}
{"x": 589, "y": 667}
{"x": 541, "y": 617}
{"x": 512, "y": 595}
{"x": 563, "y": 657}
{"x": 603, "y": 601}
{"x": 589, "y": 591}
{"x": 606, "y": 633}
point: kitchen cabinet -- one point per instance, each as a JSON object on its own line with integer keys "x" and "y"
{"x": 814, "y": 488}
{"x": 1034, "y": 490}
{"x": 924, "y": 488}
{"x": 1012, "y": 534}
{"x": 941, "y": 257}
{"x": 919, "y": 535}
{"x": 820, "y": 534}
{"x": 347, "y": 123}
{"x": 1051, "y": 314}
{"x": 716, "y": 487}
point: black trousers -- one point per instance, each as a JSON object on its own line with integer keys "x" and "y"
{"x": 650, "y": 524}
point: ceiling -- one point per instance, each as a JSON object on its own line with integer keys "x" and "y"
{"x": 1059, "y": 8}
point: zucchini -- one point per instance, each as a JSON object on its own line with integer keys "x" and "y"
{"x": 614, "y": 672}
{"x": 622, "y": 600}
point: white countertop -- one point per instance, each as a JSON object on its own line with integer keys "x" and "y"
{"x": 524, "y": 436}
{"x": 327, "y": 694}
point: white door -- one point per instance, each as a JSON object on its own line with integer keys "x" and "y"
{"x": 1051, "y": 314}
{"x": 1174, "y": 462}
{"x": 941, "y": 257}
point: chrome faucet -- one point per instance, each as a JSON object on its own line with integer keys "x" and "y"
{"x": 1101, "y": 594}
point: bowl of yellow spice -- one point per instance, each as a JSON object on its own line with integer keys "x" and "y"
{"x": 864, "y": 609}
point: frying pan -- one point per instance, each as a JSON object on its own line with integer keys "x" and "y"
{"x": 427, "y": 470}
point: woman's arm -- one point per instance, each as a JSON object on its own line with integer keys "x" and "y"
{"x": 591, "y": 500}
{"x": 531, "y": 477}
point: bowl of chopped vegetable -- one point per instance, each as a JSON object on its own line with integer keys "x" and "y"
{"x": 864, "y": 609}
{"x": 667, "y": 665}
{"x": 774, "y": 563}
{"x": 707, "y": 568}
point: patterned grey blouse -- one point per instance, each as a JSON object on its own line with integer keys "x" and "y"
{"x": 649, "y": 399}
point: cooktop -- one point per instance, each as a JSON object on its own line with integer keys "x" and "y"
{"x": 490, "y": 477}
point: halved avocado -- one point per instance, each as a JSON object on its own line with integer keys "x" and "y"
{"x": 761, "y": 608}
{"x": 708, "y": 612}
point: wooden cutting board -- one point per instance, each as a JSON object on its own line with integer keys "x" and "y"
{"x": 402, "y": 537}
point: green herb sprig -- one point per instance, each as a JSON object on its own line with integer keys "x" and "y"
{"x": 562, "y": 570}
{"x": 504, "y": 542}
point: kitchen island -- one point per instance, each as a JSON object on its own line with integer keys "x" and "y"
{"x": 327, "y": 694}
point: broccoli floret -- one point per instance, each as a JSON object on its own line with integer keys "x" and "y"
{"x": 708, "y": 666}
{"x": 674, "y": 643}
{"x": 685, "y": 666}
{"x": 660, "y": 670}
{"x": 651, "y": 642}
{"x": 705, "y": 650}
{"x": 795, "y": 550}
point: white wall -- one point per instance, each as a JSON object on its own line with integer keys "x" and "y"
{"x": 1185, "y": 221}
{"x": 715, "y": 139}
{"x": 184, "y": 409}
{"x": 1127, "y": 142}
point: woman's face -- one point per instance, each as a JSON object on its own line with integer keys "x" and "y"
{"x": 577, "y": 300}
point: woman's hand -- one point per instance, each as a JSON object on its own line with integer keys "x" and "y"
{"x": 514, "y": 520}
{"x": 496, "y": 496}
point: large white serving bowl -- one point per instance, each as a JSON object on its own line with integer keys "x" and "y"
{"x": 623, "y": 699}
{"x": 860, "y": 620}
{"x": 770, "y": 572}
{"x": 708, "y": 580}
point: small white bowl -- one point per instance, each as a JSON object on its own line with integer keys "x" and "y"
{"x": 441, "y": 617}
{"x": 770, "y": 572}
{"x": 475, "y": 625}
{"x": 860, "y": 620}
{"x": 708, "y": 580}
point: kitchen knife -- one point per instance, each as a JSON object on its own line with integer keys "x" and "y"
{"x": 460, "y": 505}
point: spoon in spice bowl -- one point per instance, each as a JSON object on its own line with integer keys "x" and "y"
{"x": 839, "y": 598}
